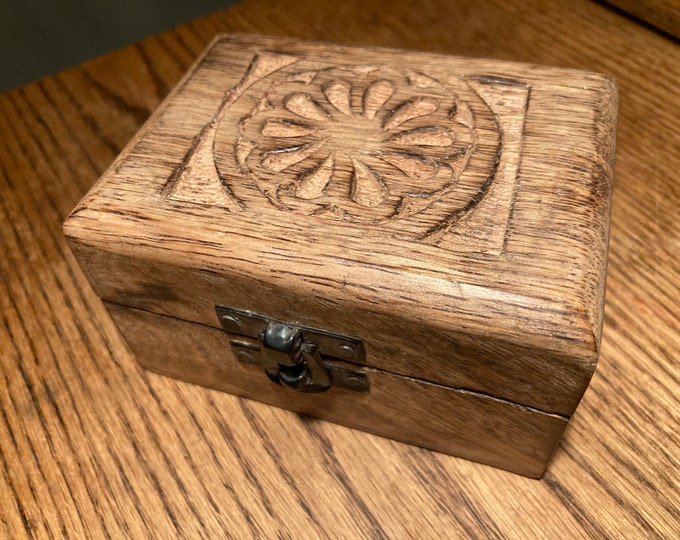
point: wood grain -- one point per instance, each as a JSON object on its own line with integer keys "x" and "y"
{"x": 420, "y": 286}
{"x": 460, "y": 423}
{"x": 90, "y": 446}
{"x": 376, "y": 193}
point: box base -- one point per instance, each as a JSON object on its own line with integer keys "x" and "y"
{"x": 453, "y": 421}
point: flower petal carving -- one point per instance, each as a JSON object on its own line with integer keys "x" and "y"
{"x": 311, "y": 185}
{"x": 425, "y": 136}
{"x": 338, "y": 95}
{"x": 417, "y": 167}
{"x": 368, "y": 189}
{"x": 281, "y": 128}
{"x": 305, "y": 106}
{"x": 278, "y": 160}
{"x": 375, "y": 96}
{"x": 413, "y": 108}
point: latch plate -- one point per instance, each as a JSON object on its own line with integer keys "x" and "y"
{"x": 292, "y": 355}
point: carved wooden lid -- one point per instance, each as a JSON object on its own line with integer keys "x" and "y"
{"x": 378, "y": 193}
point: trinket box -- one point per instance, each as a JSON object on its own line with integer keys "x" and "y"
{"x": 410, "y": 244}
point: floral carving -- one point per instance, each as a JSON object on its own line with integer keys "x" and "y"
{"x": 359, "y": 143}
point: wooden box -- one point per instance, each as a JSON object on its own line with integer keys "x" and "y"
{"x": 406, "y": 243}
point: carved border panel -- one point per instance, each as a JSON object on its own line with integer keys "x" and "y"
{"x": 378, "y": 146}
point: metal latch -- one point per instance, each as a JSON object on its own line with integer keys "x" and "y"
{"x": 297, "y": 357}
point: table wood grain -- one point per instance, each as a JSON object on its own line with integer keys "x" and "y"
{"x": 91, "y": 446}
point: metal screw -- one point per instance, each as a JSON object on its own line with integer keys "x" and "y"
{"x": 232, "y": 320}
{"x": 353, "y": 381}
{"x": 244, "y": 355}
{"x": 346, "y": 351}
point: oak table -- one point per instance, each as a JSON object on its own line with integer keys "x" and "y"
{"x": 91, "y": 446}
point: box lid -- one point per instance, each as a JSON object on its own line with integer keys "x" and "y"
{"x": 453, "y": 213}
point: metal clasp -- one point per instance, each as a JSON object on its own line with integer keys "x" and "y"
{"x": 298, "y": 357}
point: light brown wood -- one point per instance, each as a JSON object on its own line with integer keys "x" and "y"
{"x": 465, "y": 424}
{"x": 409, "y": 260}
{"x": 376, "y": 193}
{"x": 93, "y": 446}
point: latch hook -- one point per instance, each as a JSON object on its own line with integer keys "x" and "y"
{"x": 297, "y": 357}
{"x": 291, "y": 362}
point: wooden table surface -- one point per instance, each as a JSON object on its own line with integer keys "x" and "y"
{"x": 91, "y": 446}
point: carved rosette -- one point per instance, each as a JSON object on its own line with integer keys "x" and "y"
{"x": 360, "y": 143}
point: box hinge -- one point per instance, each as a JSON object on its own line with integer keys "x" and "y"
{"x": 297, "y": 357}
